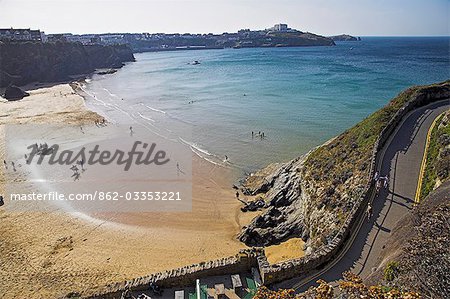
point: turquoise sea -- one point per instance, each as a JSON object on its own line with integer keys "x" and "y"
{"x": 299, "y": 97}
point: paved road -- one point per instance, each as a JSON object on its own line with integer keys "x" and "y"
{"x": 402, "y": 161}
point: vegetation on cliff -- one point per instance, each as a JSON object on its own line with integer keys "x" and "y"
{"x": 437, "y": 168}
{"x": 415, "y": 262}
{"x": 350, "y": 287}
{"x": 25, "y": 62}
{"x": 311, "y": 197}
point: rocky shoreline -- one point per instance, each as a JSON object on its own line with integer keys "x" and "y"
{"x": 311, "y": 197}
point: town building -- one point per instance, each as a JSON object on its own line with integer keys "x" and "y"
{"x": 14, "y": 34}
{"x": 280, "y": 27}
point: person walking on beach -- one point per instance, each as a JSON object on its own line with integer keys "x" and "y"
{"x": 237, "y": 195}
{"x": 14, "y": 166}
{"x": 369, "y": 212}
{"x": 253, "y": 134}
{"x": 6, "y": 164}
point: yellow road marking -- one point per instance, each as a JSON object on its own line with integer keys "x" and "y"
{"x": 424, "y": 159}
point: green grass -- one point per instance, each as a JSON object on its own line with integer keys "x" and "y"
{"x": 430, "y": 173}
{"x": 348, "y": 155}
{"x": 391, "y": 271}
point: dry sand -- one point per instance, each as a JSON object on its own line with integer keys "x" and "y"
{"x": 47, "y": 255}
{"x": 288, "y": 250}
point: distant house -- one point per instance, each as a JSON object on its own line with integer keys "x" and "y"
{"x": 280, "y": 27}
{"x": 113, "y": 39}
{"x": 14, "y": 34}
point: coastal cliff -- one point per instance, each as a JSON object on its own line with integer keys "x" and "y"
{"x": 312, "y": 196}
{"x": 25, "y": 62}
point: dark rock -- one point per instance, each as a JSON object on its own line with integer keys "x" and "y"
{"x": 25, "y": 62}
{"x": 14, "y": 93}
{"x": 107, "y": 72}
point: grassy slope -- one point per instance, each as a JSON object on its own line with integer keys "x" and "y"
{"x": 438, "y": 156}
{"x": 340, "y": 169}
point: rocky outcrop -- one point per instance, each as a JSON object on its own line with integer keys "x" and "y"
{"x": 25, "y": 62}
{"x": 14, "y": 93}
{"x": 314, "y": 197}
{"x": 345, "y": 38}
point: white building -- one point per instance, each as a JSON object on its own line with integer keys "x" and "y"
{"x": 280, "y": 27}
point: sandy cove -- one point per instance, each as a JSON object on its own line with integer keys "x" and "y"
{"x": 46, "y": 255}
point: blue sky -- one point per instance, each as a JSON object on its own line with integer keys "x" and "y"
{"x": 327, "y": 17}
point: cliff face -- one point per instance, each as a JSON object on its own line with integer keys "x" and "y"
{"x": 312, "y": 196}
{"x": 22, "y": 63}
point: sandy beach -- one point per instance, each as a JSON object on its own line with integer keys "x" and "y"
{"x": 49, "y": 254}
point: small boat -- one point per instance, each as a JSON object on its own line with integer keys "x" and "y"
{"x": 195, "y": 62}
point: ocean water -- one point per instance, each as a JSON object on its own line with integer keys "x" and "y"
{"x": 299, "y": 97}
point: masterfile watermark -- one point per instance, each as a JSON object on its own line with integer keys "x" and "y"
{"x": 148, "y": 155}
{"x": 93, "y": 169}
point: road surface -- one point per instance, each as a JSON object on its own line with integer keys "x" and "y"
{"x": 402, "y": 160}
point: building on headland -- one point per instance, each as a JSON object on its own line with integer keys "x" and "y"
{"x": 15, "y": 34}
{"x": 280, "y": 27}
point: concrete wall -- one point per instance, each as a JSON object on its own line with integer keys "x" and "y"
{"x": 303, "y": 266}
{"x": 185, "y": 276}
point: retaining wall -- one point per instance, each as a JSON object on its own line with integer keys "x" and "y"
{"x": 303, "y": 266}
{"x": 186, "y": 276}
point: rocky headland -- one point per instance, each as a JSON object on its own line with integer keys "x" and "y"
{"x": 312, "y": 196}
{"x": 26, "y": 62}
{"x": 345, "y": 38}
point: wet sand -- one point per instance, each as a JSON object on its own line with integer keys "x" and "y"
{"x": 49, "y": 254}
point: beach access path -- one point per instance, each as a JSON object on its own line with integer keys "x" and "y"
{"x": 402, "y": 159}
